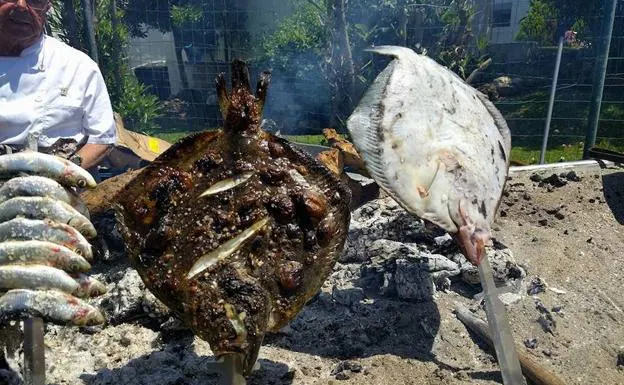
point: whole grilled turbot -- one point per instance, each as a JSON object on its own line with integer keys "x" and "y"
{"x": 235, "y": 230}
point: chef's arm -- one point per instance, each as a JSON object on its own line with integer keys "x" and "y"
{"x": 91, "y": 154}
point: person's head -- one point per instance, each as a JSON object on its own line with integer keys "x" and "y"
{"x": 21, "y": 24}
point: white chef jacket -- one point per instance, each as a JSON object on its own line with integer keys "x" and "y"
{"x": 56, "y": 91}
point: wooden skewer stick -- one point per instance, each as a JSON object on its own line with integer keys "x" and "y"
{"x": 531, "y": 369}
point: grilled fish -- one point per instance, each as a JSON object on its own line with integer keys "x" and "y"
{"x": 234, "y": 229}
{"x": 435, "y": 144}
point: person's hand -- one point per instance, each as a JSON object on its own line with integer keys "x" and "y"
{"x": 44, "y": 251}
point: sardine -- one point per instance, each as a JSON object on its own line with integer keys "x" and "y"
{"x": 227, "y": 249}
{"x": 89, "y": 287}
{"x": 227, "y": 184}
{"x": 42, "y": 253}
{"x": 36, "y": 277}
{"x": 53, "y": 306}
{"x": 42, "y": 187}
{"x": 44, "y": 207}
{"x": 21, "y": 229}
{"x": 59, "y": 169}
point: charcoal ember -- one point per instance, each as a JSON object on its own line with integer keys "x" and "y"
{"x": 343, "y": 370}
{"x": 127, "y": 298}
{"x": 572, "y": 176}
{"x": 536, "y": 286}
{"x": 504, "y": 267}
{"x": 234, "y": 230}
{"x": 413, "y": 281}
{"x": 554, "y": 180}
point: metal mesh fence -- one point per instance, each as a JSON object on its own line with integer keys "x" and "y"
{"x": 315, "y": 49}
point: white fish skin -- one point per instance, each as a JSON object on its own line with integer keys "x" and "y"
{"x": 42, "y": 253}
{"x": 34, "y": 185}
{"x": 44, "y": 207}
{"x": 432, "y": 142}
{"x": 63, "y": 171}
{"x": 51, "y": 305}
{"x": 22, "y": 229}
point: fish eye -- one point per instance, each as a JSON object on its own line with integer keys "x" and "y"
{"x": 82, "y": 183}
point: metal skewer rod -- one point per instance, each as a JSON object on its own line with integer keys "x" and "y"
{"x": 232, "y": 370}
{"x": 500, "y": 331}
{"x": 34, "y": 350}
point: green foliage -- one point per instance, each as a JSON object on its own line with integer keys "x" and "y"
{"x": 130, "y": 99}
{"x": 138, "y": 108}
{"x": 540, "y": 24}
{"x": 182, "y": 14}
{"x": 303, "y": 31}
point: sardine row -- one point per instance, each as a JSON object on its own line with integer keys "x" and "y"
{"x": 59, "y": 169}
{"x": 46, "y": 230}
{"x": 42, "y": 253}
{"x": 43, "y": 187}
{"x": 44, "y": 207}
{"x": 53, "y": 306}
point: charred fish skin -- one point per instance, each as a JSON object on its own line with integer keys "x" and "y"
{"x": 51, "y": 305}
{"x": 244, "y": 258}
{"x": 46, "y": 208}
{"x": 59, "y": 169}
{"x": 35, "y": 252}
{"x": 443, "y": 135}
{"x": 22, "y": 229}
{"x": 38, "y": 186}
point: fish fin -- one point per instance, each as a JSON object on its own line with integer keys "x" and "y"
{"x": 366, "y": 128}
{"x": 391, "y": 50}
{"x": 262, "y": 88}
{"x": 501, "y": 124}
{"x": 222, "y": 94}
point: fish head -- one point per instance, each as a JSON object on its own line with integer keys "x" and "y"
{"x": 473, "y": 233}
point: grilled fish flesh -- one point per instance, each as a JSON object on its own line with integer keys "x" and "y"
{"x": 234, "y": 229}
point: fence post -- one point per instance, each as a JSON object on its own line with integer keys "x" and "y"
{"x": 551, "y": 103}
{"x": 600, "y": 73}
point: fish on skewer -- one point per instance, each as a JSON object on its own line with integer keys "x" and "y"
{"x": 51, "y": 305}
{"x": 435, "y": 145}
{"x": 61, "y": 170}
{"x": 234, "y": 230}
{"x": 39, "y": 186}
{"x": 441, "y": 149}
{"x": 46, "y": 208}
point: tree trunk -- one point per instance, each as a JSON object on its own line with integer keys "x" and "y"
{"x": 342, "y": 68}
{"x": 69, "y": 18}
{"x": 88, "y": 14}
{"x": 117, "y": 46}
{"x": 177, "y": 39}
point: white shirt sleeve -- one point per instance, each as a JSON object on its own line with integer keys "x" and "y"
{"x": 98, "y": 121}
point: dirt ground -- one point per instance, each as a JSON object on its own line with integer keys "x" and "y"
{"x": 565, "y": 234}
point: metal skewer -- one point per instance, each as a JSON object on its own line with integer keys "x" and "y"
{"x": 34, "y": 351}
{"x": 232, "y": 370}
{"x": 500, "y": 331}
